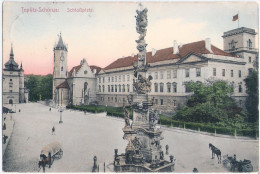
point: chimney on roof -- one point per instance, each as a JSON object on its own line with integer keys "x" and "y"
{"x": 153, "y": 51}
{"x": 82, "y": 61}
{"x": 208, "y": 45}
{"x": 175, "y": 47}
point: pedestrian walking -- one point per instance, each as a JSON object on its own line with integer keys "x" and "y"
{"x": 53, "y": 130}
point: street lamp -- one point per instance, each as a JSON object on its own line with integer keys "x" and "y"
{"x": 61, "y": 110}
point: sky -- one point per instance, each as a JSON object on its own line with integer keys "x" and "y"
{"x": 106, "y": 31}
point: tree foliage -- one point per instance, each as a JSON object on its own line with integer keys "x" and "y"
{"x": 252, "y": 100}
{"x": 210, "y": 103}
{"x": 40, "y": 87}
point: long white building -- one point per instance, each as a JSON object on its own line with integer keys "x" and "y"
{"x": 171, "y": 68}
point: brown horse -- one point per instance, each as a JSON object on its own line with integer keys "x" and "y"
{"x": 45, "y": 161}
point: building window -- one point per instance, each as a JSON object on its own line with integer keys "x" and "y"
{"x": 223, "y": 72}
{"x": 119, "y": 78}
{"x": 250, "y": 70}
{"x": 187, "y": 73}
{"x": 112, "y": 88}
{"x": 10, "y": 86}
{"x": 187, "y": 89}
{"x": 239, "y": 73}
{"x": 128, "y": 78}
{"x": 119, "y": 88}
{"x": 108, "y": 88}
{"x": 174, "y": 102}
{"x": 99, "y": 80}
{"x": 61, "y": 68}
{"x": 115, "y": 99}
{"x": 161, "y": 75}
{"x": 161, "y": 87}
{"x": 168, "y": 87}
{"x": 155, "y": 87}
{"x": 11, "y": 80}
{"x": 123, "y": 90}
{"x": 123, "y": 78}
{"x": 156, "y": 75}
{"x": 103, "y": 88}
{"x": 232, "y": 45}
{"x": 214, "y": 71}
{"x": 168, "y": 74}
{"x": 85, "y": 72}
{"x": 174, "y": 74}
{"x": 174, "y": 87}
{"x": 108, "y": 99}
{"x": 108, "y": 79}
{"x": 103, "y": 79}
{"x": 249, "y": 43}
{"x": 249, "y": 59}
{"x": 198, "y": 71}
{"x": 161, "y": 100}
{"x": 128, "y": 88}
{"x": 232, "y": 73}
{"x": 112, "y": 79}
{"x": 240, "y": 88}
{"x": 115, "y": 78}
{"x": 156, "y": 101}
{"x": 10, "y": 90}
{"x": 99, "y": 88}
{"x": 112, "y": 98}
{"x": 115, "y": 88}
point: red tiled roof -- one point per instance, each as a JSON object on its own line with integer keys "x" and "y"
{"x": 167, "y": 54}
{"x": 92, "y": 67}
{"x": 63, "y": 85}
{"x": 76, "y": 69}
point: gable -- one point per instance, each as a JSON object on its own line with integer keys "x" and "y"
{"x": 85, "y": 71}
{"x": 191, "y": 58}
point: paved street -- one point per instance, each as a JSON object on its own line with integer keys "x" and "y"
{"x": 83, "y": 136}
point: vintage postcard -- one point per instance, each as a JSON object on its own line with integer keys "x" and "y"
{"x": 130, "y": 86}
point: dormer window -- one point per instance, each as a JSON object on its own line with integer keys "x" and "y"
{"x": 85, "y": 72}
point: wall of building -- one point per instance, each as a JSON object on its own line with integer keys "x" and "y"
{"x": 10, "y": 86}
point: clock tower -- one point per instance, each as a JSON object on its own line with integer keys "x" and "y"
{"x": 60, "y": 69}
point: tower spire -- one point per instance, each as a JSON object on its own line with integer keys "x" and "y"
{"x": 12, "y": 52}
{"x": 21, "y": 67}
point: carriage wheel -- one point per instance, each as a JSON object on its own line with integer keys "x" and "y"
{"x": 247, "y": 168}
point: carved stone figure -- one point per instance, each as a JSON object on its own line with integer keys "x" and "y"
{"x": 142, "y": 85}
{"x": 127, "y": 120}
{"x": 153, "y": 119}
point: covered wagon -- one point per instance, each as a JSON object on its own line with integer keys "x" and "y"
{"x": 49, "y": 153}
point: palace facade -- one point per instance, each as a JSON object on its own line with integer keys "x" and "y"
{"x": 171, "y": 69}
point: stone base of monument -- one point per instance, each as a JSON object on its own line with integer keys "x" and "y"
{"x": 137, "y": 166}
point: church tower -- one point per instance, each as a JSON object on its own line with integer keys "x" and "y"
{"x": 241, "y": 42}
{"x": 60, "y": 70}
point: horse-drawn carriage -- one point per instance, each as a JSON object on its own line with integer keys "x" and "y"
{"x": 240, "y": 166}
{"x": 49, "y": 153}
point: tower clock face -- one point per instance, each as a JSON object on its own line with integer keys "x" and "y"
{"x": 62, "y": 56}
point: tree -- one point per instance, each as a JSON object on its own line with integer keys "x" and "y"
{"x": 211, "y": 102}
{"x": 252, "y": 99}
{"x": 40, "y": 87}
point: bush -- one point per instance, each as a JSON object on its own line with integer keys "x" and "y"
{"x": 211, "y": 128}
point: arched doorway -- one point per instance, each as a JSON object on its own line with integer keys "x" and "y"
{"x": 10, "y": 101}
